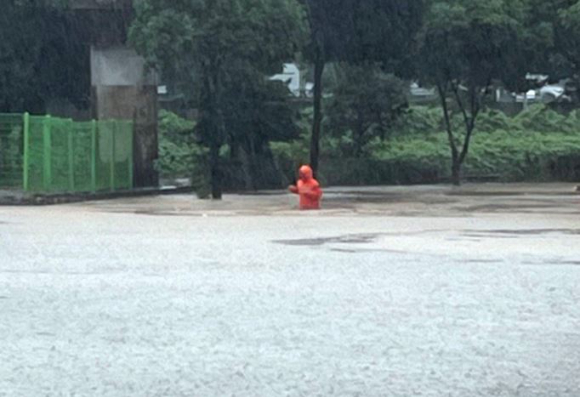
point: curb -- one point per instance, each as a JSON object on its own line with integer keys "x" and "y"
{"x": 19, "y": 199}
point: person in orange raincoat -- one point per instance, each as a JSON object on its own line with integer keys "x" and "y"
{"x": 308, "y": 189}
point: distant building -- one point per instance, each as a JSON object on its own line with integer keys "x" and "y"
{"x": 291, "y": 76}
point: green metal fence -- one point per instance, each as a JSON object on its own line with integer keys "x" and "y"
{"x": 44, "y": 154}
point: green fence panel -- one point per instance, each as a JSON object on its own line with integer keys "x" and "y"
{"x": 25, "y": 154}
{"x": 11, "y": 151}
{"x": 82, "y": 155}
{"x": 123, "y": 173}
{"x": 36, "y": 154}
{"x": 105, "y": 133}
{"x": 59, "y": 155}
{"x": 44, "y": 154}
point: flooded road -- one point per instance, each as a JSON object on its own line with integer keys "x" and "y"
{"x": 432, "y": 293}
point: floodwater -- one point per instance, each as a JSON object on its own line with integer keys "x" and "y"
{"x": 432, "y": 291}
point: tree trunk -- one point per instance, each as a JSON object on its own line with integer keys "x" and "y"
{"x": 214, "y": 124}
{"x": 317, "y": 124}
{"x": 359, "y": 131}
{"x": 215, "y": 170}
{"x": 247, "y": 169}
{"x": 456, "y": 172}
{"x": 455, "y": 156}
{"x": 251, "y": 168}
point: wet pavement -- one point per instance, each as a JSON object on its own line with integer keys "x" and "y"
{"x": 430, "y": 291}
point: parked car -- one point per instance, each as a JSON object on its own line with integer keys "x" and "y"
{"x": 553, "y": 93}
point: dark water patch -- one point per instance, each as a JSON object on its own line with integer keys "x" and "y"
{"x": 485, "y": 194}
{"x": 524, "y": 232}
{"x": 164, "y": 213}
{"x": 369, "y": 251}
{"x": 573, "y": 263}
{"x": 358, "y": 198}
{"x": 506, "y": 193}
{"x": 345, "y": 251}
{"x": 346, "y": 239}
{"x": 552, "y": 263}
{"x": 520, "y": 207}
{"x": 49, "y": 334}
{"x": 487, "y": 235}
{"x": 368, "y": 193}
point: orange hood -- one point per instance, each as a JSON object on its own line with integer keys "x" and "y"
{"x": 305, "y": 173}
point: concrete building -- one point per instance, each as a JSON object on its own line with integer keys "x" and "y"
{"x": 121, "y": 88}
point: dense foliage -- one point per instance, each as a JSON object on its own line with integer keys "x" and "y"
{"x": 536, "y": 145}
{"x": 214, "y": 47}
{"x": 43, "y": 56}
{"x": 219, "y": 54}
{"x": 365, "y": 104}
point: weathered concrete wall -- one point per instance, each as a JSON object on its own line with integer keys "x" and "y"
{"x": 118, "y": 66}
{"x": 123, "y": 90}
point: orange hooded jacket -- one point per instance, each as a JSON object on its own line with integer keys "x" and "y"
{"x": 308, "y": 189}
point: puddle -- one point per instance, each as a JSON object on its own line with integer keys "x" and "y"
{"x": 552, "y": 263}
{"x": 346, "y": 239}
{"x": 506, "y": 207}
{"x": 345, "y": 251}
{"x": 367, "y": 250}
{"x": 486, "y": 261}
{"x": 521, "y": 232}
{"x": 486, "y": 194}
{"x": 164, "y": 213}
{"x": 486, "y": 234}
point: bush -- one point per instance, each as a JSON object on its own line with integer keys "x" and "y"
{"x": 537, "y": 145}
{"x": 509, "y": 156}
{"x": 180, "y": 156}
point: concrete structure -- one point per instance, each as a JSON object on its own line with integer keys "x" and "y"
{"x": 120, "y": 86}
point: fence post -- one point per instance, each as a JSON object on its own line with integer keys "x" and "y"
{"x": 47, "y": 155}
{"x": 71, "y": 158}
{"x": 112, "y": 163}
{"x": 94, "y": 156}
{"x": 26, "y": 153}
{"x": 131, "y": 154}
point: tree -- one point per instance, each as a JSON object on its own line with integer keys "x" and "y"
{"x": 465, "y": 47}
{"x": 356, "y": 31}
{"x": 546, "y": 42}
{"x": 204, "y": 43}
{"x": 566, "y": 23}
{"x": 553, "y": 40}
{"x": 44, "y": 54}
{"x": 257, "y": 111}
{"x": 365, "y": 104}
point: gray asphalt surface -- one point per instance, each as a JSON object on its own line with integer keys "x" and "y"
{"x": 118, "y": 299}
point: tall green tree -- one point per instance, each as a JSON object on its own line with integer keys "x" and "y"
{"x": 365, "y": 104}
{"x": 257, "y": 111}
{"x": 205, "y": 43}
{"x": 553, "y": 39}
{"x": 357, "y": 31}
{"x": 44, "y": 56}
{"x": 566, "y": 60}
{"x": 465, "y": 47}
{"x": 549, "y": 38}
